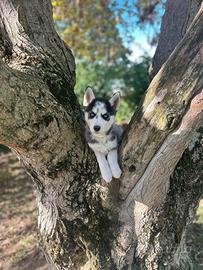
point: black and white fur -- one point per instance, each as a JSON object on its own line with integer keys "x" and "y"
{"x": 102, "y": 134}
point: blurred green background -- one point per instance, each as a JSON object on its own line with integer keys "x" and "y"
{"x": 112, "y": 42}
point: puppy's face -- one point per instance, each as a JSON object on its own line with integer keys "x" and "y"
{"x": 99, "y": 116}
{"x": 100, "y": 113}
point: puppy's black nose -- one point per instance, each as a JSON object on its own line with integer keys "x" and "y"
{"x": 97, "y": 128}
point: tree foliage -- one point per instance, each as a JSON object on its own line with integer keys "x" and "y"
{"x": 95, "y": 29}
{"x": 99, "y": 33}
{"x": 90, "y": 28}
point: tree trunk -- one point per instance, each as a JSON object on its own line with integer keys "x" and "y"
{"x": 178, "y": 17}
{"x": 83, "y": 222}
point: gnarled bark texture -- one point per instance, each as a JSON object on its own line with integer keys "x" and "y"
{"x": 83, "y": 222}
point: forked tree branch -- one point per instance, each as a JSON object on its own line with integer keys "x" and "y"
{"x": 41, "y": 119}
{"x": 165, "y": 103}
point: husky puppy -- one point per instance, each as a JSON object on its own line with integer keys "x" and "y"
{"x": 102, "y": 134}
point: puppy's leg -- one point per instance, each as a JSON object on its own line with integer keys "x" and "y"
{"x": 104, "y": 167}
{"x": 113, "y": 163}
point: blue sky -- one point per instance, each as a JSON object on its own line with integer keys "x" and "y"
{"x": 139, "y": 44}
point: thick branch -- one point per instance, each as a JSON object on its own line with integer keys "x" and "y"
{"x": 164, "y": 105}
{"x": 44, "y": 133}
{"x": 28, "y": 32}
{"x": 151, "y": 230}
{"x": 64, "y": 171}
{"x": 153, "y": 185}
{"x": 40, "y": 64}
{"x": 165, "y": 226}
{"x": 31, "y": 119}
{"x": 151, "y": 190}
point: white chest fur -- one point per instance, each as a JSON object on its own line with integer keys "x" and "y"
{"x": 104, "y": 145}
{"x": 106, "y": 151}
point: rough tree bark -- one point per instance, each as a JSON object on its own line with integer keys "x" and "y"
{"x": 84, "y": 223}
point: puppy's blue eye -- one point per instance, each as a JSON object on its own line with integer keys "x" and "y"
{"x": 106, "y": 116}
{"x": 91, "y": 115}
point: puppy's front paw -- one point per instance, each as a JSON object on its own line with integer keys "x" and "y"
{"x": 116, "y": 171}
{"x": 107, "y": 176}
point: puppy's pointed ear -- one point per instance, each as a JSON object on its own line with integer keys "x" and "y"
{"x": 115, "y": 101}
{"x": 88, "y": 96}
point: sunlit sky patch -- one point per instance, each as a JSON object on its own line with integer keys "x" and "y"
{"x": 140, "y": 35}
